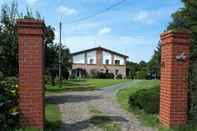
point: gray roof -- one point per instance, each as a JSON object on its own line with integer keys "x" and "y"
{"x": 101, "y": 48}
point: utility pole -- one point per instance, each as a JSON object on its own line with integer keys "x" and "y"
{"x": 60, "y": 54}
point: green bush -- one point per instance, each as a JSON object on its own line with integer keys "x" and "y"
{"x": 65, "y": 74}
{"x": 47, "y": 79}
{"x": 146, "y": 99}
{"x": 8, "y": 104}
{"x": 142, "y": 74}
{"x": 101, "y": 75}
{"x": 93, "y": 73}
{"x": 119, "y": 76}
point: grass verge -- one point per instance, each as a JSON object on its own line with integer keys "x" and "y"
{"x": 52, "y": 117}
{"x": 151, "y": 120}
{"x": 123, "y": 98}
{"x": 100, "y": 83}
{"x": 82, "y": 85}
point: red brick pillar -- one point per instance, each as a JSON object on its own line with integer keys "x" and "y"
{"x": 99, "y": 56}
{"x": 174, "y": 77}
{"x": 31, "y": 91}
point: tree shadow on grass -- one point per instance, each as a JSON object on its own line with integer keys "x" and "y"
{"x": 70, "y": 98}
{"x": 78, "y": 80}
{"x": 71, "y": 88}
{"x": 52, "y": 126}
{"x": 75, "y": 83}
{"x": 97, "y": 120}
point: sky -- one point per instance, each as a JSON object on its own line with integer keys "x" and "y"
{"x": 132, "y": 28}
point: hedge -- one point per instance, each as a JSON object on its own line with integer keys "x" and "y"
{"x": 9, "y": 117}
{"x": 146, "y": 99}
{"x": 101, "y": 75}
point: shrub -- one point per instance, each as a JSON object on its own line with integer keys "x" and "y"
{"x": 8, "y": 103}
{"x": 93, "y": 73}
{"x": 142, "y": 74}
{"x": 47, "y": 79}
{"x": 101, "y": 75}
{"x": 73, "y": 76}
{"x": 146, "y": 99}
{"x": 65, "y": 74}
{"x": 119, "y": 76}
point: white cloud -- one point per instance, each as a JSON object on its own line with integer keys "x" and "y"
{"x": 82, "y": 27}
{"x": 146, "y": 17}
{"x": 66, "y": 10}
{"x": 86, "y": 28}
{"x": 142, "y": 15}
{"x": 32, "y": 1}
{"x": 105, "y": 30}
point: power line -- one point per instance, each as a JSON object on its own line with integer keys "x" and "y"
{"x": 60, "y": 55}
{"x": 100, "y": 12}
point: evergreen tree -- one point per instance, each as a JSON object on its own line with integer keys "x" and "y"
{"x": 132, "y": 68}
{"x": 186, "y": 17}
{"x": 153, "y": 66}
{"x": 8, "y": 40}
{"x": 67, "y": 63}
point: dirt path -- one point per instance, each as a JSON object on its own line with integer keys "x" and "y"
{"x": 79, "y": 108}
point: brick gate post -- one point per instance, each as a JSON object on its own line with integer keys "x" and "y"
{"x": 174, "y": 77}
{"x": 31, "y": 91}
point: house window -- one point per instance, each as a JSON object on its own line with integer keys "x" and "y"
{"x": 107, "y": 71}
{"x": 91, "y": 61}
{"x": 117, "y": 62}
{"x": 116, "y": 72}
{"x": 107, "y": 61}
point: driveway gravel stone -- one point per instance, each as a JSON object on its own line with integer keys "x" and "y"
{"x": 75, "y": 109}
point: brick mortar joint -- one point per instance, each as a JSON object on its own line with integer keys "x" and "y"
{"x": 177, "y": 32}
{"x": 29, "y": 21}
{"x": 29, "y": 24}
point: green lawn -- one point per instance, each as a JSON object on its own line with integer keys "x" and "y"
{"x": 82, "y": 85}
{"x": 123, "y": 97}
{"x": 147, "y": 119}
{"x": 52, "y": 117}
{"x": 99, "y": 83}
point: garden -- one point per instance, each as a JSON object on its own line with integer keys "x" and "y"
{"x": 142, "y": 99}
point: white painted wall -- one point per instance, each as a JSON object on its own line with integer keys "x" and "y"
{"x": 79, "y": 59}
{"x": 107, "y": 55}
{"x": 122, "y": 61}
{"x": 91, "y": 55}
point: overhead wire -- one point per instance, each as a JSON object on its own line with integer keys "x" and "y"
{"x": 100, "y": 12}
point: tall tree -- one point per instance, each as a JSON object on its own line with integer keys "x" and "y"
{"x": 132, "y": 68}
{"x": 137, "y": 70}
{"x": 8, "y": 40}
{"x": 186, "y": 17}
{"x": 153, "y": 66}
{"x": 67, "y": 63}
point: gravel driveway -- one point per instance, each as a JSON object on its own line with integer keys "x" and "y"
{"x": 76, "y": 109}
